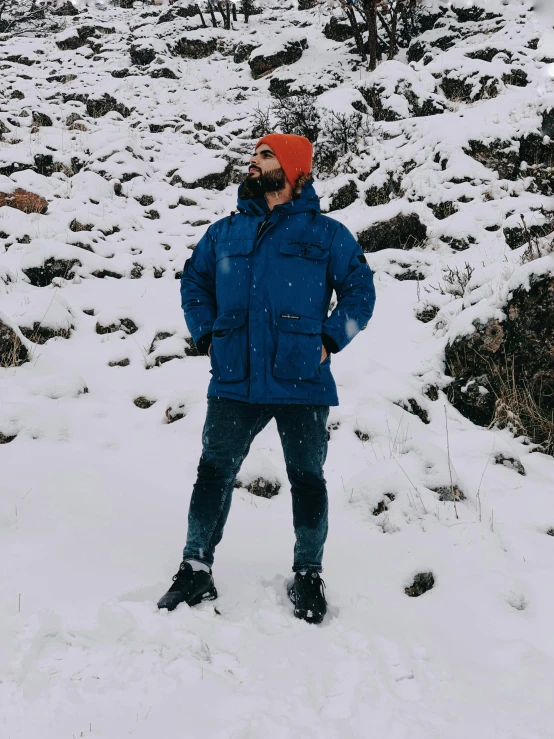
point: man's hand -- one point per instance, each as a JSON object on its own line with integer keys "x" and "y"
{"x": 323, "y": 354}
{"x": 209, "y": 350}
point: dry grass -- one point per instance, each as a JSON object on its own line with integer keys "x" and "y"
{"x": 518, "y": 407}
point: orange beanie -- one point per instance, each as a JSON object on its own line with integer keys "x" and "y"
{"x": 293, "y": 152}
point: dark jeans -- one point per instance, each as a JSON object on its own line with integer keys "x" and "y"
{"x": 229, "y": 429}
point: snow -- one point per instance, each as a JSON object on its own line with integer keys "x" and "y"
{"x": 95, "y": 490}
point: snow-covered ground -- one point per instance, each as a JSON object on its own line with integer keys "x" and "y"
{"x": 94, "y": 490}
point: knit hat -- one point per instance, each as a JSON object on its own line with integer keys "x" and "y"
{"x": 293, "y": 152}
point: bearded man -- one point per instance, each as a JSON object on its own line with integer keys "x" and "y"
{"x": 256, "y": 294}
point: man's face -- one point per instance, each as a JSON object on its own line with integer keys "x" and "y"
{"x": 264, "y": 172}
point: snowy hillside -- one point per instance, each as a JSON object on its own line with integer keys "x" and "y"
{"x": 131, "y": 129}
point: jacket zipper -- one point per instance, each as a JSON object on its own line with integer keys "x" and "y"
{"x": 262, "y": 225}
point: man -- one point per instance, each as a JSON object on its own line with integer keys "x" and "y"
{"x": 256, "y": 294}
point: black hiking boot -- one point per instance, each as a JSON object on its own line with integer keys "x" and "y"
{"x": 306, "y": 592}
{"x": 189, "y": 586}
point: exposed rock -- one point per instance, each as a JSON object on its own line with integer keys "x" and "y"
{"x": 214, "y": 181}
{"x": 163, "y": 73}
{"x": 120, "y": 363}
{"x": 431, "y": 392}
{"x": 473, "y": 87}
{"x": 188, "y": 11}
{"x": 143, "y": 402}
{"x": 72, "y": 118}
{"x": 242, "y": 51}
{"x": 261, "y": 487}
{"x": 449, "y": 493}
{"x": 488, "y": 54}
{"x": 427, "y": 313}
{"x": 502, "y": 362}
{"x": 77, "y": 37}
{"x": 458, "y": 244}
{"x": 423, "y": 582}
{"x": 382, "y": 505}
{"x": 290, "y": 53}
{"x": 383, "y": 193}
{"x": 41, "y": 334}
{"x": 124, "y": 324}
{"x": 43, "y": 275}
{"x": 6, "y": 439}
{"x": 511, "y": 463}
{"x": 400, "y": 232}
{"x": 41, "y": 119}
{"x": 194, "y": 48}
{"x": 175, "y": 413}
{"x": 332, "y": 427}
{"x": 517, "y": 236}
{"x": 76, "y": 226}
{"x": 99, "y": 106}
{"x": 23, "y": 200}
{"x": 516, "y": 77}
{"x": 362, "y": 436}
{"x": 102, "y": 273}
{"x": 142, "y": 55}
{"x": 412, "y": 406}
{"x": 530, "y": 156}
{"x": 12, "y": 350}
{"x": 340, "y": 30}
{"x": 66, "y": 9}
{"x": 345, "y": 196}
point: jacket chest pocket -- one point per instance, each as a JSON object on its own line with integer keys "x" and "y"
{"x": 229, "y": 353}
{"x": 298, "y": 352}
{"x": 232, "y": 255}
{"x": 305, "y": 249}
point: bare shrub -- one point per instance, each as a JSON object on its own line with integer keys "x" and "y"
{"x": 455, "y": 281}
{"x": 297, "y": 114}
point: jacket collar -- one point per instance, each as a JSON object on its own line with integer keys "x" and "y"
{"x": 307, "y": 201}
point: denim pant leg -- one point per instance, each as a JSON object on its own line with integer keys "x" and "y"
{"x": 229, "y": 429}
{"x": 303, "y": 432}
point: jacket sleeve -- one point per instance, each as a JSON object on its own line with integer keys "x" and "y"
{"x": 352, "y": 279}
{"x": 198, "y": 297}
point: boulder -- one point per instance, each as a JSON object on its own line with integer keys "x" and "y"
{"x": 191, "y": 47}
{"x": 470, "y": 88}
{"x": 242, "y": 51}
{"x": 28, "y": 202}
{"x": 529, "y": 156}
{"x": 401, "y": 232}
{"x": 99, "y": 106}
{"x": 41, "y": 119}
{"x": 42, "y": 275}
{"x": 142, "y": 54}
{"x": 505, "y": 362}
{"x": 260, "y": 487}
{"x": 344, "y": 196}
{"x": 263, "y": 61}
{"x": 66, "y": 8}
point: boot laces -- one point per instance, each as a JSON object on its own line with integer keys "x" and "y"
{"x": 181, "y": 569}
{"x": 314, "y": 581}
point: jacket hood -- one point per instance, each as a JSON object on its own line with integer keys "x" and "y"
{"x": 307, "y": 201}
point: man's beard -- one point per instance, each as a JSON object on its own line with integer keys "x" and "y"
{"x": 255, "y": 187}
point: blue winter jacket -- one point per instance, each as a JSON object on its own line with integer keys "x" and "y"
{"x": 262, "y": 300}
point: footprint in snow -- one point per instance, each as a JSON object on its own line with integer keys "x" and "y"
{"x": 399, "y": 675}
